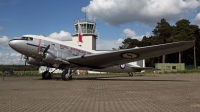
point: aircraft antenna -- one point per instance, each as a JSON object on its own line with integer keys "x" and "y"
{"x": 85, "y": 13}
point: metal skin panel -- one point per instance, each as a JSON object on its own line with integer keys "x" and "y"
{"x": 82, "y": 58}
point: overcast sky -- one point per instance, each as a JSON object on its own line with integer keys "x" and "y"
{"x": 116, "y": 19}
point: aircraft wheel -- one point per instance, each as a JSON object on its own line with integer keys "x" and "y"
{"x": 46, "y": 75}
{"x": 130, "y": 74}
{"x": 70, "y": 77}
{"x": 65, "y": 76}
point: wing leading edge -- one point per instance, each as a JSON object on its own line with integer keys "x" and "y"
{"x": 108, "y": 59}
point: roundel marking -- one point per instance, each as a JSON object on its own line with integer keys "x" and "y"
{"x": 122, "y": 66}
{"x": 129, "y": 55}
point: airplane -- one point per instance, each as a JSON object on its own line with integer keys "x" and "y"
{"x": 44, "y": 51}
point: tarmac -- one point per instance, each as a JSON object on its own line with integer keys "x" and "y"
{"x": 148, "y": 93}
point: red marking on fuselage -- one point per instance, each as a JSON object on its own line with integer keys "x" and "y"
{"x": 39, "y": 43}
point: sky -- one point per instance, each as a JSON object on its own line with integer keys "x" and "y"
{"x": 116, "y": 20}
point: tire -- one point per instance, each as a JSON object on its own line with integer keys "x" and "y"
{"x": 46, "y": 75}
{"x": 65, "y": 77}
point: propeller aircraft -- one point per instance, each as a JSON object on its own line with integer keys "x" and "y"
{"x": 43, "y": 51}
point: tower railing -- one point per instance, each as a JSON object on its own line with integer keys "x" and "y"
{"x": 84, "y": 20}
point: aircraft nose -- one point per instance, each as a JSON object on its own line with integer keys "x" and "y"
{"x": 17, "y": 44}
{"x": 13, "y": 43}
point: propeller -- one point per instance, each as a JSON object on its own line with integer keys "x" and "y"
{"x": 45, "y": 50}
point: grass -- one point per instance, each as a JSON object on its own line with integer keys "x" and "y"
{"x": 185, "y": 71}
{"x": 190, "y": 71}
{"x": 23, "y": 73}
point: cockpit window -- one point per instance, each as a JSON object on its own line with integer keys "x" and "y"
{"x": 24, "y": 38}
{"x": 31, "y": 39}
{"x": 27, "y": 38}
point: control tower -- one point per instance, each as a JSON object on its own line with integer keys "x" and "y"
{"x": 89, "y": 34}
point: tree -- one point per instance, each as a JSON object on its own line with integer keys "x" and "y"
{"x": 196, "y": 33}
{"x": 183, "y": 31}
{"x": 130, "y": 43}
{"x": 162, "y": 32}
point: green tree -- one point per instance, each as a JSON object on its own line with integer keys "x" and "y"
{"x": 130, "y": 43}
{"x": 162, "y": 32}
{"x": 183, "y": 31}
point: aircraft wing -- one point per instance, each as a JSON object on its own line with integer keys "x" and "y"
{"x": 108, "y": 59}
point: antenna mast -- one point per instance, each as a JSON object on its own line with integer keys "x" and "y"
{"x": 85, "y": 13}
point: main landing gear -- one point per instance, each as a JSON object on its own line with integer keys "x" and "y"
{"x": 46, "y": 75}
{"x": 66, "y": 75}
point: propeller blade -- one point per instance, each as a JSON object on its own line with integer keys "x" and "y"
{"x": 44, "y": 52}
{"x": 46, "y": 49}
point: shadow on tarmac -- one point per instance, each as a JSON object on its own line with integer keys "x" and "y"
{"x": 117, "y": 78}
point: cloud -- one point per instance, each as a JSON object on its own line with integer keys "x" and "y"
{"x": 15, "y": 54}
{"x": 108, "y": 44}
{"x": 10, "y": 59}
{"x": 61, "y": 36}
{"x": 118, "y": 12}
{"x": 119, "y": 41}
{"x": 197, "y": 19}
{"x": 131, "y": 34}
{"x": 4, "y": 43}
{"x": 1, "y": 28}
{"x": 148, "y": 34}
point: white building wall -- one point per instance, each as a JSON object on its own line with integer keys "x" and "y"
{"x": 44, "y": 68}
{"x": 89, "y": 42}
{"x": 140, "y": 63}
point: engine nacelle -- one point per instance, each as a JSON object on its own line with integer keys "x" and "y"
{"x": 49, "y": 58}
{"x": 32, "y": 61}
